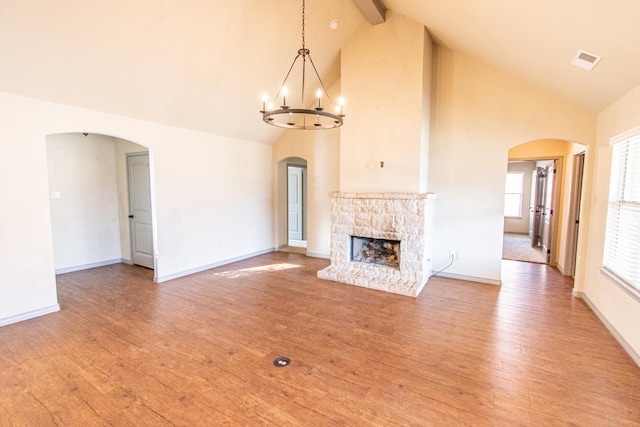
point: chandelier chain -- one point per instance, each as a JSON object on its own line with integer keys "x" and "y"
{"x": 303, "y": 25}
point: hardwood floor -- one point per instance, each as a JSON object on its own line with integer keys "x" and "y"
{"x": 199, "y": 351}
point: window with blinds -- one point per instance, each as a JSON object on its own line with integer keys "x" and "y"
{"x": 513, "y": 195}
{"x": 622, "y": 239}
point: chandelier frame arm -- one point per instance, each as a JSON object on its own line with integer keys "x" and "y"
{"x": 320, "y": 80}
{"x": 304, "y": 72}
{"x": 286, "y": 77}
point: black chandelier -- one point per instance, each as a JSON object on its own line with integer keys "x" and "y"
{"x": 286, "y": 116}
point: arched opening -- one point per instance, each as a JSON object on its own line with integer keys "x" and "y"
{"x": 100, "y": 201}
{"x": 292, "y": 205}
{"x": 542, "y": 202}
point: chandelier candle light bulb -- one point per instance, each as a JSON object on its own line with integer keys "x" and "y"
{"x": 340, "y": 107}
{"x": 319, "y": 95}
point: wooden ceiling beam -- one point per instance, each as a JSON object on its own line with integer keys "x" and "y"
{"x": 373, "y": 10}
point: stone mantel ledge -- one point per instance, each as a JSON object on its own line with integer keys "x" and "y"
{"x": 388, "y": 196}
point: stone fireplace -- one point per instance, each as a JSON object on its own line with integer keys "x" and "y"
{"x": 381, "y": 241}
{"x": 384, "y": 159}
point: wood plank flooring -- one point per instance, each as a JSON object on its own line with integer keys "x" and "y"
{"x": 199, "y": 351}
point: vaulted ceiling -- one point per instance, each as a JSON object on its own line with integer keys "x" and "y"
{"x": 203, "y": 64}
{"x": 537, "y": 39}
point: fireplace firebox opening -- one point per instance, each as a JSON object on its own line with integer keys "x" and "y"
{"x": 375, "y": 251}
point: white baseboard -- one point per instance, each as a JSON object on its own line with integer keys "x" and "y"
{"x": 92, "y": 265}
{"x": 298, "y": 243}
{"x": 469, "y": 278}
{"x": 29, "y": 315}
{"x": 625, "y": 345}
{"x": 314, "y": 255}
{"x": 160, "y": 279}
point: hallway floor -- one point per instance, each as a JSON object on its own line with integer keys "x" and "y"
{"x": 517, "y": 247}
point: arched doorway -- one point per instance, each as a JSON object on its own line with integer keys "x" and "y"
{"x": 546, "y": 176}
{"x": 292, "y": 205}
{"x": 530, "y": 209}
{"x": 91, "y": 214}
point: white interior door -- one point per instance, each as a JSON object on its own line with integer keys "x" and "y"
{"x": 294, "y": 197}
{"x": 532, "y": 205}
{"x": 576, "y": 196}
{"x": 538, "y": 195}
{"x": 140, "y": 210}
{"x": 547, "y": 210}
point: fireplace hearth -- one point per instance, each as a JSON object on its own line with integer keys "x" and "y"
{"x": 388, "y": 221}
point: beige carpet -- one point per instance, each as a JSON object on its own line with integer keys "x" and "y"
{"x": 518, "y": 247}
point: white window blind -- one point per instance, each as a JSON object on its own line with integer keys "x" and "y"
{"x": 513, "y": 195}
{"x": 622, "y": 239}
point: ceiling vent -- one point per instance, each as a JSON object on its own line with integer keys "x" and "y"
{"x": 586, "y": 60}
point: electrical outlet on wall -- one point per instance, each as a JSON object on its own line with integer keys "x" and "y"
{"x": 454, "y": 254}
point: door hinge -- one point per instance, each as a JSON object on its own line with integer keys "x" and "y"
{"x": 548, "y": 251}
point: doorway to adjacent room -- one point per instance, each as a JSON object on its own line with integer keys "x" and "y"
{"x": 530, "y": 219}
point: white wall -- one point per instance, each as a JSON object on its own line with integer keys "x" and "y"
{"x": 84, "y": 219}
{"x": 385, "y": 77}
{"x": 479, "y": 112}
{"x": 620, "y": 310}
{"x": 212, "y": 196}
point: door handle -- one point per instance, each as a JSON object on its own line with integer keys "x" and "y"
{"x": 131, "y": 216}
